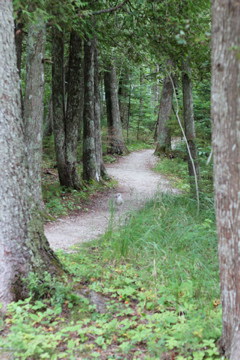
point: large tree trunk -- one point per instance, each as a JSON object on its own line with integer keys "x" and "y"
{"x": 66, "y": 121}
{"x": 23, "y": 247}
{"x": 74, "y": 109}
{"x": 90, "y": 169}
{"x": 33, "y": 104}
{"x": 188, "y": 116}
{"x": 226, "y": 149}
{"x": 115, "y": 136}
{"x": 163, "y": 135}
{"x": 58, "y": 99}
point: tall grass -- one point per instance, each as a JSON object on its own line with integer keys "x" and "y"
{"x": 170, "y": 244}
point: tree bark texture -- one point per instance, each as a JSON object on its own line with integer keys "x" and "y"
{"x": 226, "y": 149}
{"x": 58, "y": 98}
{"x": 91, "y": 170}
{"x": 189, "y": 125}
{"x": 74, "y": 108}
{"x": 97, "y": 116}
{"x": 19, "y": 36}
{"x": 22, "y": 246}
{"x": 163, "y": 135}
{"x": 33, "y": 105}
{"x": 123, "y": 93}
{"x": 66, "y": 118}
{"x": 140, "y": 116}
{"x": 48, "y": 123}
{"x": 115, "y": 137}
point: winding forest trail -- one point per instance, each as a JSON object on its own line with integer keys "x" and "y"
{"x": 137, "y": 182}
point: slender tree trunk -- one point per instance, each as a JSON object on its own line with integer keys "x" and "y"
{"x": 226, "y": 150}
{"x": 115, "y": 137}
{"x": 140, "y": 103}
{"x": 129, "y": 111}
{"x": 163, "y": 134}
{"x": 66, "y": 114}
{"x": 188, "y": 115}
{"x": 156, "y": 92}
{"x": 123, "y": 93}
{"x": 23, "y": 247}
{"x": 33, "y": 104}
{"x": 90, "y": 169}
{"x": 97, "y": 117}
{"x": 48, "y": 123}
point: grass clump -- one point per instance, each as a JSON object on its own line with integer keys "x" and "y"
{"x": 158, "y": 279}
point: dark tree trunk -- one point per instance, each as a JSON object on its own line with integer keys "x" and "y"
{"x": 163, "y": 134}
{"x": 19, "y": 36}
{"x": 188, "y": 115}
{"x": 115, "y": 138}
{"x": 48, "y": 123}
{"x": 140, "y": 116}
{"x": 226, "y": 150}
{"x": 58, "y": 99}
{"x": 156, "y": 92}
{"x": 74, "y": 109}
{"x": 90, "y": 169}
{"x": 19, "y": 41}
{"x": 23, "y": 247}
{"x": 66, "y": 115}
{"x": 123, "y": 93}
{"x": 97, "y": 117}
{"x": 129, "y": 111}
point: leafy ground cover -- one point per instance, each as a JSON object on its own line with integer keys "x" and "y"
{"x": 148, "y": 290}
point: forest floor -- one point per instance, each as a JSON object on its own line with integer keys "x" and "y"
{"x": 137, "y": 182}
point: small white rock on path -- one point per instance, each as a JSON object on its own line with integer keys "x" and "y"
{"x": 137, "y": 182}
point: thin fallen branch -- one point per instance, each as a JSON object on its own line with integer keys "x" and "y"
{"x": 185, "y": 139}
{"x": 115, "y": 8}
{"x": 210, "y": 157}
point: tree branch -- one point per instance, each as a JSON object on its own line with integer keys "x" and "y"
{"x": 185, "y": 139}
{"x": 110, "y": 9}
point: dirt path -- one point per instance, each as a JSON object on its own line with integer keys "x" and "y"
{"x": 137, "y": 183}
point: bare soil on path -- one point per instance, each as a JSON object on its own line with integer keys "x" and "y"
{"x": 137, "y": 183}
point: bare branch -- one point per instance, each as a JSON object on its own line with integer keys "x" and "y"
{"x": 105, "y": 11}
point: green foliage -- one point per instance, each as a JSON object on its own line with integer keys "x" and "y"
{"x": 48, "y": 287}
{"x": 176, "y": 169}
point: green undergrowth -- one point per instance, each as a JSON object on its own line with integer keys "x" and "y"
{"x": 176, "y": 168}
{"x": 61, "y": 201}
{"x": 139, "y": 145}
{"x": 157, "y": 278}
